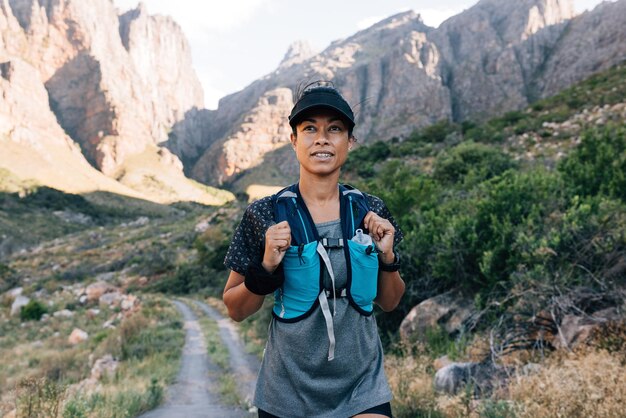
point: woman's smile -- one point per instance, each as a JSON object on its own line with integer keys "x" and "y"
{"x": 322, "y": 155}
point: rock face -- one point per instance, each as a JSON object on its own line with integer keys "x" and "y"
{"x": 83, "y": 86}
{"x": 263, "y": 130}
{"x": 113, "y": 91}
{"x": 118, "y": 91}
{"x": 400, "y": 74}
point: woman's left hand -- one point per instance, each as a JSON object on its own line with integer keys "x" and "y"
{"x": 382, "y": 232}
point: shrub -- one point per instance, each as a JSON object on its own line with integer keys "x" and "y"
{"x": 38, "y": 398}
{"x": 471, "y": 163}
{"x": 32, "y": 311}
{"x": 598, "y": 164}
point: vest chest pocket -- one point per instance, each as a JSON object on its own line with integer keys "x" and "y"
{"x": 302, "y": 277}
{"x": 364, "y": 264}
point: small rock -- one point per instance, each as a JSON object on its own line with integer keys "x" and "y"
{"x": 201, "y": 226}
{"x": 442, "y": 362}
{"x": 65, "y": 313}
{"x": 109, "y": 299}
{"x": 109, "y": 324}
{"x": 92, "y": 313}
{"x": 105, "y": 277}
{"x": 454, "y": 377}
{"x": 15, "y": 292}
{"x": 77, "y": 336}
{"x": 530, "y": 368}
{"x": 104, "y": 366}
{"x": 128, "y": 302}
{"x": 95, "y": 290}
{"x": 17, "y": 304}
{"x": 83, "y": 299}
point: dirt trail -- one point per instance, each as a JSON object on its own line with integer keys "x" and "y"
{"x": 194, "y": 395}
{"x": 243, "y": 365}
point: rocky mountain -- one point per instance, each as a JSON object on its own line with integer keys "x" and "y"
{"x": 400, "y": 74}
{"x": 92, "y": 98}
{"x": 78, "y": 76}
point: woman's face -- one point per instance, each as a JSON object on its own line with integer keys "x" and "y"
{"x": 322, "y": 142}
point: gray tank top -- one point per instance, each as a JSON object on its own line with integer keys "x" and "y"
{"x": 297, "y": 380}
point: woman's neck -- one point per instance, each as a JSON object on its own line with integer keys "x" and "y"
{"x": 321, "y": 196}
{"x": 319, "y": 190}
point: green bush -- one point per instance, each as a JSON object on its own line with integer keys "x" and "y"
{"x": 598, "y": 164}
{"x": 32, "y": 311}
{"x": 471, "y": 162}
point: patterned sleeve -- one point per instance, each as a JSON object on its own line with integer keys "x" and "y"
{"x": 249, "y": 237}
{"x": 378, "y": 206}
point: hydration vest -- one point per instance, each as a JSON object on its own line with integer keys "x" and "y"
{"x": 303, "y": 264}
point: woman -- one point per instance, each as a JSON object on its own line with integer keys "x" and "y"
{"x": 326, "y": 252}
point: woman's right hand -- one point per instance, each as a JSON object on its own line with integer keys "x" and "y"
{"x": 277, "y": 241}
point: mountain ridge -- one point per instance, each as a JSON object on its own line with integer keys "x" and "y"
{"x": 118, "y": 95}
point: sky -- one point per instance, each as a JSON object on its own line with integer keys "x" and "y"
{"x": 235, "y": 42}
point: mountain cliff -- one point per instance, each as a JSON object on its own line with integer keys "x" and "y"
{"x": 400, "y": 74}
{"x": 116, "y": 93}
{"x": 110, "y": 86}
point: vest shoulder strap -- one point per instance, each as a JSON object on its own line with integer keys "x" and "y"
{"x": 289, "y": 206}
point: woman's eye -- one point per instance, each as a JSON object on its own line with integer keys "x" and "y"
{"x": 335, "y": 129}
{"x": 309, "y": 128}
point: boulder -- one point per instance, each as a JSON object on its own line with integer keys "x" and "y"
{"x": 448, "y": 310}
{"x": 64, "y": 313}
{"x": 95, "y": 290}
{"x": 483, "y": 377}
{"x": 578, "y": 329}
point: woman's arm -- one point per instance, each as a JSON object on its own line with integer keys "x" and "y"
{"x": 241, "y": 302}
{"x": 390, "y": 290}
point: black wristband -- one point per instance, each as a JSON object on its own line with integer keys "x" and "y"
{"x": 262, "y": 283}
{"x": 395, "y": 266}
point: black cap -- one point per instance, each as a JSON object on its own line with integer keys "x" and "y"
{"x": 321, "y": 97}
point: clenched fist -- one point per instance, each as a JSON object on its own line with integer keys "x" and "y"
{"x": 277, "y": 241}
{"x": 382, "y": 232}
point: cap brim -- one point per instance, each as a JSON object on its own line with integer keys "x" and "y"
{"x": 321, "y": 100}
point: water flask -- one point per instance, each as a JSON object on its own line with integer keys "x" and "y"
{"x": 361, "y": 238}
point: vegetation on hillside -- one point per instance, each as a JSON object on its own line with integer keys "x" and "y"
{"x": 517, "y": 236}
{"x": 44, "y": 375}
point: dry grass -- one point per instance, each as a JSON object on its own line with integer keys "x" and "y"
{"x": 411, "y": 381}
{"x": 39, "y": 369}
{"x": 588, "y": 383}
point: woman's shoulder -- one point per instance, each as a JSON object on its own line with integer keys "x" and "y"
{"x": 262, "y": 206}
{"x": 260, "y": 213}
{"x": 375, "y": 203}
